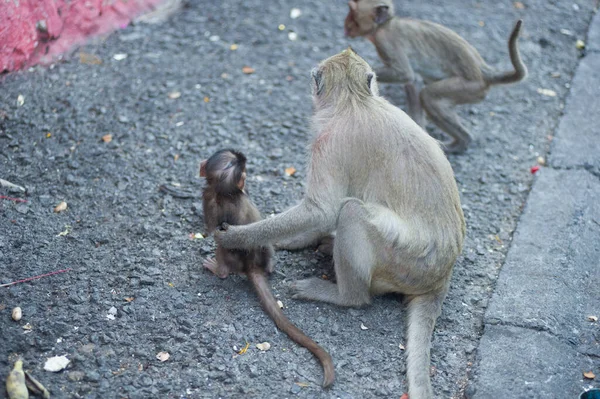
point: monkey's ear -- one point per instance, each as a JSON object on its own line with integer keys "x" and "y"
{"x": 381, "y": 14}
{"x": 242, "y": 183}
{"x": 352, "y": 4}
{"x": 203, "y": 168}
{"x": 317, "y": 75}
{"x": 370, "y": 79}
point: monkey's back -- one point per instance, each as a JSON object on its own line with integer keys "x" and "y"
{"x": 435, "y": 51}
{"x": 237, "y": 210}
{"x": 390, "y": 161}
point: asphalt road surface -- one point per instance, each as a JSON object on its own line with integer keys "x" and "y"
{"x": 179, "y": 95}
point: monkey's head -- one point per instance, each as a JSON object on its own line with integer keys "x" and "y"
{"x": 225, "y": 172}
{"x": 364, "y": 16}
{"x": 343, "y": 78}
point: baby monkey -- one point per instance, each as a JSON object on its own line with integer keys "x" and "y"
{"x": 452, "y": 70}
{"x": 226, "y": 201}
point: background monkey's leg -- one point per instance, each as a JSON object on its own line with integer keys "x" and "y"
{"x": 438, "y": 99}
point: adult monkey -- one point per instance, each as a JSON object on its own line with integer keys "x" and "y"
{"x": 453, "y": 71}
{"x": 386, "y": 188}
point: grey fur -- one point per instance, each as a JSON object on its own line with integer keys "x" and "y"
{"x": 453, "y": 71}
{"x": 387, "y": 190}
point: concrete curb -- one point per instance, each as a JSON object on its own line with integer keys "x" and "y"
{"x": 37, "y": 31}
{"x": 538, "y": 339}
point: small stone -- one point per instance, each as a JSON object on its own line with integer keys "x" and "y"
{"x": 75, "y": 376}
{"x": 364, "y": 372}
{"x": 92, "y": 376}
{"x": 295, "y": 389}
{"x": 17, "y": 313}
{"x": 112, "y": 311}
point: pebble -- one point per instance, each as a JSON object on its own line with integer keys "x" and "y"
{"x": 76, "y": 375}
{"x": 92, "y": 376}
{"x": 295, "y": 389}
{"x": 365, "y": 371}
{"x": 17, "y": 313}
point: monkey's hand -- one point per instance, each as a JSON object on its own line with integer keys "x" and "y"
{"x": 231, "y": 237}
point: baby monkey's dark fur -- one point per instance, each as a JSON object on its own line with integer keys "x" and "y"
{"x": 226, "y": 202}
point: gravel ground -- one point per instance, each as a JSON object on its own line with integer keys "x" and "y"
{"x": 126, "y": 239}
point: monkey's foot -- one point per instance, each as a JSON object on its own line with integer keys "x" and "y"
{"x": 315, "y": 289}
{"x": 212, "y": 265}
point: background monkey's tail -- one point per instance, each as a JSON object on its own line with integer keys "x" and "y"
{"x": 423, "y": 310}
{"x": 269, "y": 304}
{"x": 520, "y": 70}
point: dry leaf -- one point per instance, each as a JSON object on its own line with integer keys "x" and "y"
{"x": 280, "y": 304}
{"x": 129, "y": 298}
{"x": 233, "y": 47}
{"x": 547, "y": 92}
{"x": 27, "y": 327}
{"x": 17, "y": 313}
{"x": 402, "y": 347}
{"x": 107, "y": 138}
{"x": 302, "y": 384}
{"x": 62, "y": 206}
{"x": 290, "y": 171}
{"x": 206, "y": 99}
{"x": 593, "y": 318}
{"x": 363, "y": 327}
{"x": 89, "y": 59}
{"x": 519, "y": 5}
{"x": 65, "y": 232}
{"x": 248, "y": 70}
{"x": 555, "y": 75}
{"x": 20, "y": 100}
{"x": 589, "y": 375}
{"x": 580, "y": 44}
{"x": 48, "y": 135}
{"x": 265, "y": 346}
{"x": 163, "y": 356}
{"x": 244, "y": 349}
{"x": 56, "y": 363}
{"x": 481, "y": 23}
{"x": 176, "y": 156}
{"x": 174, "y": 94}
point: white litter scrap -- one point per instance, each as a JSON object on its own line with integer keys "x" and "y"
{"x": 56, "y": 363}
{"x": 295, "y": 13}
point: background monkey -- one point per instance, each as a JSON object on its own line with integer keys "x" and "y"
{"x": 225, "y": 201}
{"x": 453, "y": 71}
{"x": 387, "y": 190}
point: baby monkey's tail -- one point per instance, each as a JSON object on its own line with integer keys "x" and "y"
{"x": 269, "y": 304}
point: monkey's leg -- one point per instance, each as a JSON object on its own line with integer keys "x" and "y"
{"x": 354, "y": 257}
{"x": 423, "y": 310}
{"x": 439, "y": 99}
{"x": 224, "y": 263}
{"x": 415, "y": 110}
{"x": 219, "y": 270}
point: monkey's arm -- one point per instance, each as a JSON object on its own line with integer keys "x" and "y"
{"x": 305, "y": 216}
{"x": 396, "y": 65}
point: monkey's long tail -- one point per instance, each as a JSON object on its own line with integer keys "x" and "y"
{"x": 423, "y": 311}
{"x": 269, "y": 304}
{"x": 520, "y": 70}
